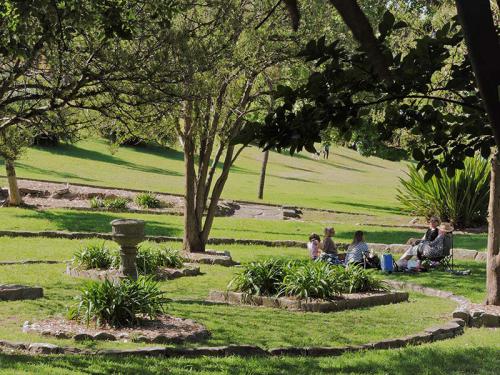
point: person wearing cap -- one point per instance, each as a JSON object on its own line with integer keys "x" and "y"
{"x": 427, "y": 249}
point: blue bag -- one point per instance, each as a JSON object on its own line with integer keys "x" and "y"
{"x": 387, "y": 263}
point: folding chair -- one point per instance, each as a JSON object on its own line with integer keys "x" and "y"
{"x": 446, "y": 260}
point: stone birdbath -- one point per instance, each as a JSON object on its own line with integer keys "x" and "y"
{"x": 128, "y": 234}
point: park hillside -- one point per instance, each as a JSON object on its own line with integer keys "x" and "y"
{"x": 249, "y": 187}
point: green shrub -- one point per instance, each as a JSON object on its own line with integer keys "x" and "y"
{"x": 94, "y": 255}
{"x": 262, "y": 277}
{"x": 109, "y": 203}
{"x": 147, "y": 200}
{"x": 355, "y": 279}
{"x": 116, "y": 203}
{"x": 462, "y": 199}
{"x": 303, "y": 279}
{"x": 151, "y": 256}
{"x": 96, "y": 202}
{"x": 120, "y": 304}
{"x": 312, "y": 280}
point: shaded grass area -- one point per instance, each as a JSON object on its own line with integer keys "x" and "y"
{"x": 339, "y": 182}
{"x": 476, "y": 352}
{"x": 168, "y": 225}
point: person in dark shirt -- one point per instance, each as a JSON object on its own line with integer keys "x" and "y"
{"x": 433, "y": 231}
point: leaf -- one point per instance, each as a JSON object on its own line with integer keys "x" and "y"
{"x": 418, "y": 155}
{"x": 386, "y": 24}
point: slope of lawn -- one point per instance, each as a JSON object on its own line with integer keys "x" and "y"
{"x": 346, "y": 181}
{"x": 169, "y": 225}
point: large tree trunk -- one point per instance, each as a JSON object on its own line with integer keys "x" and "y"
{"x": 263, "y": 174}
{"x": 484, "y": 52}
{"x": 493, "y": 259}
{"x": 14, "y": 195}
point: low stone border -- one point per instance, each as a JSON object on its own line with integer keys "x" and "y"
{"x": 114, "y": 274}
{"x": 19, "y": 292}
{"x": 347, "y": 301}
{"x": 165, "y": 330}
{"x": 29, "y": 261}
{"x": 460, "y": 254}
{"x": 474, "y": 315}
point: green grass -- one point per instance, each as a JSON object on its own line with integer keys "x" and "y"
{"x": 228, "y": 324}
{"x": 339, "y": 182}
{"x": 473, "y": 353}
{"x": 476, "y": 352}
{"x": 169, "y": 225}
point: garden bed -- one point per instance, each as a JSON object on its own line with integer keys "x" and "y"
{"x": 344, "y": 302}
{"x": 112, "y": 274}
{"x": 19, "y": 292}
{"x": 165, "y": 329}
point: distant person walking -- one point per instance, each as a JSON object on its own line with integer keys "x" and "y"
{"x": 326, "y": 150}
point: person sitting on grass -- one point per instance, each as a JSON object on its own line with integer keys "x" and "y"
{"x": 357, "y": 250}
{"x": 329, "y": 249}
{"x": 313, "y": 246}
{"x": 427, "y": 249}
{"x": 327, "y": 245}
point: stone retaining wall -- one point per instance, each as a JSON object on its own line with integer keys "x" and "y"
{"x": 460, "y": 254}
{"x": 113, "y": 274}
{"x": 348, "y": 301}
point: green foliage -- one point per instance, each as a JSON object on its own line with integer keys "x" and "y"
{"x": 461, "y": 199}
{"x": 151, "y": 256}
{"x": 118, "y": 203}
{"x": 147, "y": 200}
{"x": 262, "y": 277}
{"x": 94, "y": 255}
{"x": 120, "y": 304}
{"x": 303, "y": 279}
{"x": 355, "y": 279}
{"x": 312, "y": 280}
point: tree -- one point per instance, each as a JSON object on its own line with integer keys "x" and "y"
{"x": 212, "y": 92}
{"x": 51, "y": 62}
{"x": 429, "y": 89}
{"x": 12, "y": 143}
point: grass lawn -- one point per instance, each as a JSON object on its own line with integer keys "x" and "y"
{"x": 229, "y": 324}
{"x": 260, "y": 326}
{"x": 337, "y": 183}
{"x": 476, "y": 352}
{"x": 169, "y": 225}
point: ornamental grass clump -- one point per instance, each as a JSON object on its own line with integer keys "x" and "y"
{"x": 118, "y": 203}
{"x": 95, "y": 255}
{"x": 461, "y": 199}
{"x": 316, "y": 280}
{"x": 147, "y": 200}
{"x": 151, "y": 256}
{"x": 120, "y": 304}
{"x": 303, "y": 279}
{"x": 355, "y": 279}
{"x": 261, "y": 278}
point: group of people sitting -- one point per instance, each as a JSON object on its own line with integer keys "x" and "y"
{"x": 430, "y": 246}
{"x": 327, "y": 251}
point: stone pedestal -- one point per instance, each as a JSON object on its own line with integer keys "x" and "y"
{"x": 128, "y": 234}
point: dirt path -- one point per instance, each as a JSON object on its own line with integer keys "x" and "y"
{"x": 59, "y": 195}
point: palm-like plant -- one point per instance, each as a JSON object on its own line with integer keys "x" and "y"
{"x": 461, "y": 199}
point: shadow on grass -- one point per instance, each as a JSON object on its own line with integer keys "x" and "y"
{"x": 429, "y": 359}
{"x": 49, "y": 172}
{"x": 371, "y": 207}
{"x": 96, "y": 222}
{"x": 82, "y": 153}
